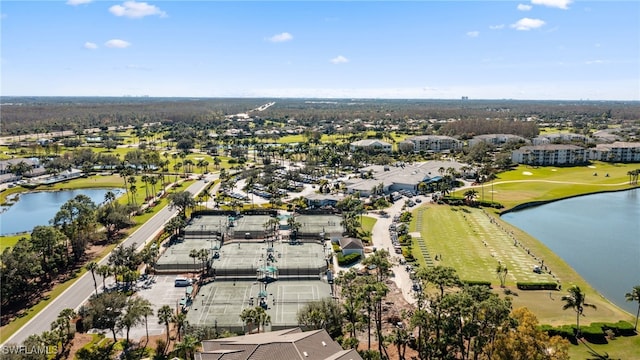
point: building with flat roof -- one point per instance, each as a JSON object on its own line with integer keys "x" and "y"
{"x": 371, "y": 145}
{"x": 552, "y": 154}
{"x": 290, "y": 344}
{"x": 398, "y": 177}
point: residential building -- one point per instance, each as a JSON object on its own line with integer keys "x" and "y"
{"x": 616, "y": 152}
{"x": 552, "y": 154}
{"x": 495, "y": 139}
{"x": 351, "y": 246}
{"x": 371, "y": 145}
{"x": 434, "y": 143}
{"x": 556, "y": 138}
{"x": 290, "y": 344}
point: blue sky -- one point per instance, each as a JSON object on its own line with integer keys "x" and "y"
{"x": 536, "y": 49}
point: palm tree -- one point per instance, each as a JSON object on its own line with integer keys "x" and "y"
{"x": 634, "y": 295}
{"x": 180, "y": 320}
{"x": 470, "y": 195}
{"x": 194, "y": 255}
{"x": 165, "y": 314}
{"x": 65, "y": 316}
{"x": 93, "y": 266}
{"x": 188, "y": 346}
{"x": 104, "y": 271}
{"x": 576, "y": 301}
{"x": 109, "y": 197}
{"x": 145, "y": 310}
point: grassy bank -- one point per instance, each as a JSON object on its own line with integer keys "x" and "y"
{"x": 472, "y": 241}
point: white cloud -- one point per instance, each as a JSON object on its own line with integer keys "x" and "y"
{"x": 136, "y": 10}
{"x": 523, "y": 7}
{"x": 594, "y": 62}
{"x": 473, "y": 34}
{"x": 561, "y": 4}
{"x": 339, "y": 60}
{"x": 527, "y": 24}
{"x": 117, "y": 43}
{"x": 496, "y": 27}
{"x": 285, "y": 36}
{"x": 78, "y": 2}
{"x": 90, "y": 45}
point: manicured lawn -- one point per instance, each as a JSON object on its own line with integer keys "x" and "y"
{"x": 623, "y": 347}
{"x": 527, "y": 184}
{"x": 366, "y": 225}
{"x": 474, "y": 243}
{"x": 459, "y": 234}
{"x": 9, "y": 241}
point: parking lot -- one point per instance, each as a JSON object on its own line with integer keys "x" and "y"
{"x": 161, "y": 290}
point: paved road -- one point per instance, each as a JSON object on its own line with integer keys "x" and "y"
{"x": 82, "y": 289}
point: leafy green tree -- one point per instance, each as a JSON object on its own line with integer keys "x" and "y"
{"x": 133, "y": 314}
{"x": 76, "y": 219}
{"x": 20, "y": 266}
{"x": 522, "y": 339}
{"x": 323, "y": 314}
{"x": 114, "y": 218}
{"x": 50, "y": 244}
{"x": 104, "y": 311}
{"x": 182, "y": 201}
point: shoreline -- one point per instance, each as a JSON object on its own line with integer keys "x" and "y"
{"x": 498, "y": 214}
{"x": 530, "y": 204}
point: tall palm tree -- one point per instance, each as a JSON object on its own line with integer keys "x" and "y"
{"x": 180, "y": 319}
{"x": 634, "y": 295}
{"x": 93, "y": 266}
{"x": 576, "y": 300}
{"x": 165, "y": 314}
{"x": 104, "y": 271}
{"x": 145, "y": 310}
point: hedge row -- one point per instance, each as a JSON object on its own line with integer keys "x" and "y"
{"x": 344, "y": 260}
{"x": 537, "y": 285}
{"x": 594, "y": 333}
{"x": 477, "y": 283}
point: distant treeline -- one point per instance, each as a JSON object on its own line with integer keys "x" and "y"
{"x": 22, "y": 115}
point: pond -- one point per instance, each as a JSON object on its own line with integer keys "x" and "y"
{"x": 37, "y": 208}
{"x": 598, "y": 235}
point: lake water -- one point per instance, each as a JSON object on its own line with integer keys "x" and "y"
{"x": 598, "y": 235}
{"x": 37, "y": 208}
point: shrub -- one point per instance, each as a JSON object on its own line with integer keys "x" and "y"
{"x": 594, "y": 334}
{"x": 348, "y": 259}
{"x": 537, "y": 285}
{"x": 477, "y": 283}
{"x": 336, "y": 247}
